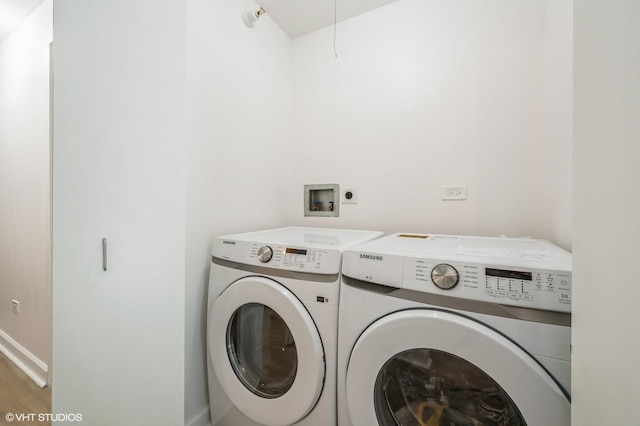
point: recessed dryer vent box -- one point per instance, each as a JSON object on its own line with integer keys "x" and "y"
{"x": 322, "y": 200}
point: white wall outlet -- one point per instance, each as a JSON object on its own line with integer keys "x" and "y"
{"x": 349, "y": 196}
{"x": 16, "y": 306}
{"x": 458, "y": 192}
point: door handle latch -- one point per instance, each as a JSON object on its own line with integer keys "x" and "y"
{"x": 104, "y": 254}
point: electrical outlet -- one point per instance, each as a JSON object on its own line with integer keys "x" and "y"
{"x": 349, "y": 196}
{"x": 16, "y": 306}
{"x": 454, "y": 192}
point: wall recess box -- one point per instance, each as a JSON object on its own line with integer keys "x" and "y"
{"x": 322, "y": 200}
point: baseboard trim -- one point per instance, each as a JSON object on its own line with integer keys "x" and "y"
{"x": 200, "y": 419}
{"x": 25, "y": 360}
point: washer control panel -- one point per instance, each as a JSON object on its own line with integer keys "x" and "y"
{"x": 516, "y": 286}
{"x": 445, "y": 276}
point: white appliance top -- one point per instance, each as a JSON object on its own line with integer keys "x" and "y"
{"x": 506, "y": 251}
{"x": 329, "y": 238}
{"x": 302, "y": 249}
{"x": 512, "y": 271}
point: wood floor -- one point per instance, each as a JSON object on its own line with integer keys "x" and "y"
{"x": 19, "y": 395}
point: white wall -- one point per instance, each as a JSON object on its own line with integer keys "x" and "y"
{"x": 239, "y": 128}
{"x": 554, "y": 171}
{"x": 431, "y": 93}
{"x": 25, "y": 212}
{"x": 606, "y": 232}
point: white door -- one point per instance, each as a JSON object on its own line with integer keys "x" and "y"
{"x": 429, "y": 367}
{"x": 118, "y": 334}
{"x": 266, "y": 351}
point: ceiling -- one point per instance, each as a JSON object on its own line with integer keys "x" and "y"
{"x": 295, "y": 17}
{"x": 299, "y": 17}
{"x": 13, "y": 12}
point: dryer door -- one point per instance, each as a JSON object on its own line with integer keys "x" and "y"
{"x": 266, "y": 351}
{"x": 429, "y": 367}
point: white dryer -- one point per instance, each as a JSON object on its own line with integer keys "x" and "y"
{"x": 454, "y": 330}
{"x": 273, "y": 326}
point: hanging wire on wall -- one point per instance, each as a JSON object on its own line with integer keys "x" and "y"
{"x": 335, "y": 26}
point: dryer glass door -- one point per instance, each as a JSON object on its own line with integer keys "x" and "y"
{"x": 262, "y": 350}
{"x": 424, "y": 367}
{"x": 266, "y": 351}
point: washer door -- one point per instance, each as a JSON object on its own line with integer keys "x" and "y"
{"x": 266, "y": 351}
{"x": 428, "y": 367}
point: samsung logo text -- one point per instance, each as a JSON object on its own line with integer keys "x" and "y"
{"x": 371, "y": 257}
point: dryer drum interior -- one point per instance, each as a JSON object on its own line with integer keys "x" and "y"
{"x": 427, "y": 387}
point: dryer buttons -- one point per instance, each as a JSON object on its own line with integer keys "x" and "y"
{"x": 445, "y": 276}
{"x": 265, "y": 253}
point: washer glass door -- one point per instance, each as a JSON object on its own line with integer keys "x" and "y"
{"x": 424, "y": 367}
{"x": 432, "y": 387}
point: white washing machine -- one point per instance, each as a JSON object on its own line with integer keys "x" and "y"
{"x": 273, "y": 326}
{"x": 454, "y": 330}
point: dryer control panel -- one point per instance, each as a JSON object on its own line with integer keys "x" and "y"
{"x": 516, "y": 286}
{"x": 290, "y": 258}
{"x": 295, "y": 258}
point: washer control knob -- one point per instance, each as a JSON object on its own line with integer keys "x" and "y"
{"x": 265, "y": 253}
{"x": 445, "y": 276}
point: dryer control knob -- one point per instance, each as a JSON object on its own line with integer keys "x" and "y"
{"x": 265, "y": 253}
{"x": 445, "y": 276}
